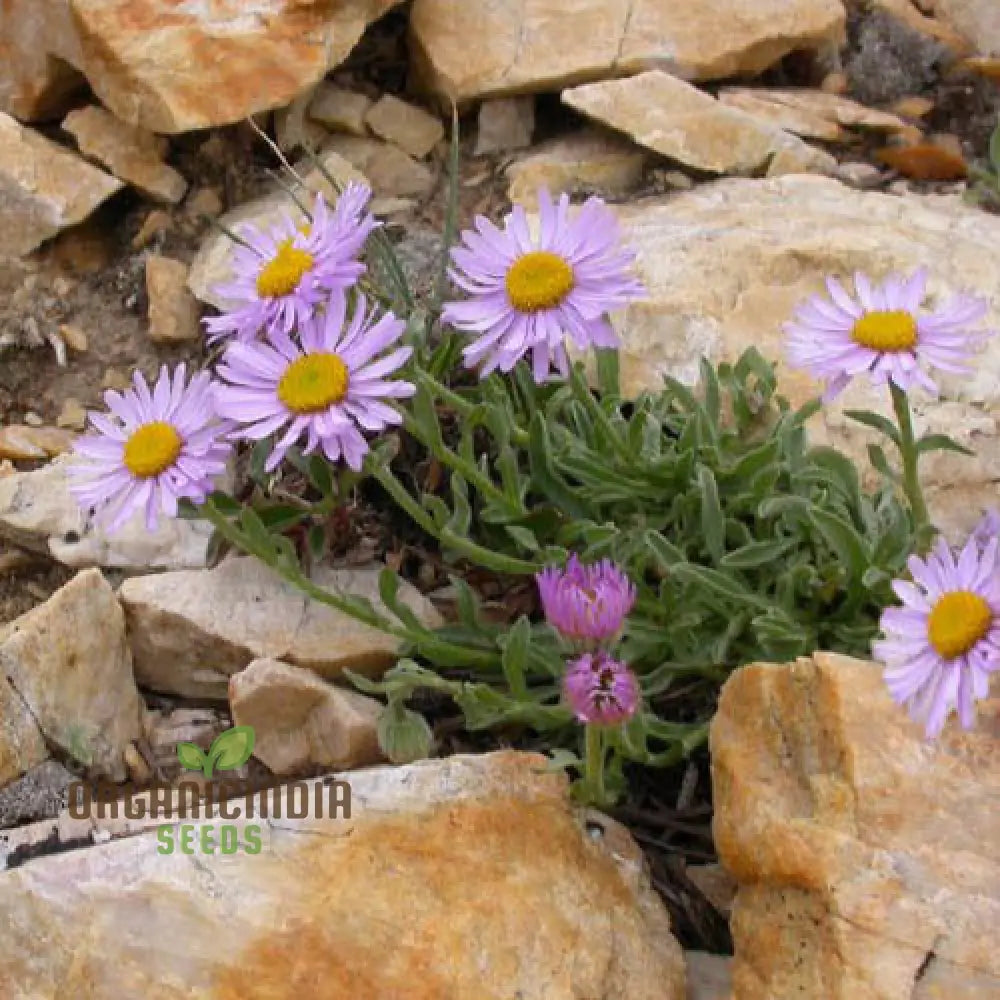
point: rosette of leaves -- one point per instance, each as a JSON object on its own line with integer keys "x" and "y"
{"x": 746, "y": 543}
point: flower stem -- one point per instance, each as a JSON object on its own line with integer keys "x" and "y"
{"x": 593, "y": 776}
{"x": 910, "y": 456}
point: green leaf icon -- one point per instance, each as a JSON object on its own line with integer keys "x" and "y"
{"x": 191, "y": 757}
{"x": 231, "y": 749}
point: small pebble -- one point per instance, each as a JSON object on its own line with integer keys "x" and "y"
{"x": 115, "y": 378}
{"x": 32, "y": 419}
{"x": 156, "y": 223}
{"x": 74, "y": 337}
{"x": 72, "y": 415}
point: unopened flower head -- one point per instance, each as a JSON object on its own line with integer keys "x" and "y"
{"x": 944, "y": 642}
{"x": 884, "y": 333}
{"x": 528, "y": 295}
{"x": 601, "y": 690}
{"x": 154, "y": 449}
{"x": 325, "y": 389}
{"x": 586, "y": 602}
{"x": 282, "y": 276}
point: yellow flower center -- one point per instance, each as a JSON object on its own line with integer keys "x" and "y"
{"x": 957, "y": 622}
{"x": 151, "y": 449}
{"x": 313, "y": 382}
{"x": 282, "y": 275}
{"x": 538, "y": 280}
{"x": 886, "y": 331}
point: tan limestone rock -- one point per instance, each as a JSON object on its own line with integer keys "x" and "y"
{"x": 587, "y": 161}
{"x": 173, "y": 67}
{"x": 191, "y": 630}
{"x": 339, "y": 109}
{"x": 23, "y": 442}
{"x": 675, "y": 119}
{"x": 465, "y": 877}
{"x": 810, "y": 113}
{"x": 485, "y": 48}
{"x": 301, "y": 721}
{"x": 976, "y": 20}
{"x": 173, "y": 310}
{"x": 391, "y": 172}
{"x": 132, "y": 154}
{"x": 411, "y": 128}
{"x": 68, "y": 662}
{"x": 868, "y": 857}
{"x": 504, "y": 124}
{"x": 38, "y": 512}
{"x": 43, "y": 188}
{"x": 726, "y": 264}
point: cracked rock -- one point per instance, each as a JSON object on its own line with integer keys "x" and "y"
{"x": 670, "y": 117}
{"x": 44, "y": 188}
{"x": 68, "y": 665}
{"x": 301, "y": 721}
{"x": 532, "y": 46}
{"x": 868, "y": 858}
{"x": 553, "y": 913}
{"x": 191, "y": 630}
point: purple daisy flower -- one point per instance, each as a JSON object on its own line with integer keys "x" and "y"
{"x": 601, "y": 690}
{"x": 882, "y": 332}
{"x": 326, "y": 388}
{"x": 153, "y": 450}
{"x": 586, "y": 602}
{"x": 943, "y": 644}
{"x": 283, "y": 275}
{"x": 528, "y": 295}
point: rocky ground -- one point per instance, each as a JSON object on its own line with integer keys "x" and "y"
{"x": 749, "y": 149}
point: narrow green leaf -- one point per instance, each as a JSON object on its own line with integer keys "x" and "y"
{"x": 713, "y": 525}
{"x": 757, "y": 554}
{"x": 515, "y": 656}
{"x": 941, "y": 442}
{"x": 877, "y": 422}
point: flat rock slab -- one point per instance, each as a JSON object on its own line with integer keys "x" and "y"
{"x": 726, "y": 265}
{"x": 529, "y": 46}
{"x": 976, "y": 20}
{"x": 191, "y": 630}
{"x": 38, "y": 512}
{"x": 868, "y": 858}
{"x": 673, "y": 118}
{"x": 131, "y": 153}
{"x": 466, "y": 877}
{"x": 175, "y": 67}
{"x": 44, "y": 188}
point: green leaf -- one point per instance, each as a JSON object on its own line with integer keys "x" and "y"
{"x": 713, "y": 525}
{"x": 842, "y": 538}
{"x": 608, "y": 373}
{"x": 941, "y": 442}
{"x": 321, "y": 475}
{"x": 523, "y": 536}
{"x": 877, "y": 422}
{"x": 388, "y": 591}
{"x": 190, "y": 756}
{"x": 515, "y": 656}
{"x": 757, "y": 554}
{"x": 403, "y": 734}
{"x": 720, "y": 584}
{"x": 280, "y": 517}
{"x": 877, "y": 456}
{"x": 232, "y": 749}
